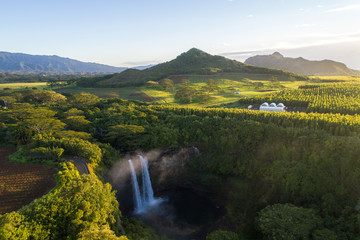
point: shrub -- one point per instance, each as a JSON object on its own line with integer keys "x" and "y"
{"x": 53, "y": 153}
{"x": 73, "y": 134}
{"x": 222, "y": 235}
{"x": 286, "y": 221}
{"x": 72, "y": 146}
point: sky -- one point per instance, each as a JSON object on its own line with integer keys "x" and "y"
{"x": 141, "y": 32}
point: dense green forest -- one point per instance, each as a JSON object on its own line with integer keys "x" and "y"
{"x": 12, "y": 77}
{"x": 279, "y": 176}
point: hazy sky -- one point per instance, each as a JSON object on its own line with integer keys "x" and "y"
{"x": 139, "y": 32}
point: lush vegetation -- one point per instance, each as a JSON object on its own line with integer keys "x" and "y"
{"x": 79, "y": 208}
{"x": 192, "y": 62}
{"x": 15, "y": 77}
{"x": 230, "y": 87}
{"x": 263, "y": 167}
{"x": 37, "y": 85}
{"x": 333, "y": 98}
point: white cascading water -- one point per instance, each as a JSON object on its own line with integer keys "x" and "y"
{"x": 139, "y": 206}
{"x": 147, "y": 191}
{"x": 145, "y": 199}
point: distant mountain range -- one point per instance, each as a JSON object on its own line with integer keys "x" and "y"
{"x": 144, "y": 67}
{"x": 20, "y": 62}
{"x": 193, "y": 61}
{"x": 301, "y": 65}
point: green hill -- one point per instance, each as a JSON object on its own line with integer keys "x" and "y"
{"x": 193, "y": 61}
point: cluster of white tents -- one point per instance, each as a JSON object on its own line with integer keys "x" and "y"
{"x": 272, "y": 107}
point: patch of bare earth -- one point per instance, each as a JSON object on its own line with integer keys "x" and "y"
{"x": 21, "y": 183}
{"x": 143, "y": 96}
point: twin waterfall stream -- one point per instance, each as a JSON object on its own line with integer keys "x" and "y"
{"x": 180, "y": 214}
{"x": 145, "y": 198}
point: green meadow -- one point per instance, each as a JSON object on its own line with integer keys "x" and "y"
{"x": 231, "y": 87}
{"x": 39, "y": 85}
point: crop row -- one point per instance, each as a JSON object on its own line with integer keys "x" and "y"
{"x": 335, "y": 98}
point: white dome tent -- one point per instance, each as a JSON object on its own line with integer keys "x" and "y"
{"x": 272, "y": 107}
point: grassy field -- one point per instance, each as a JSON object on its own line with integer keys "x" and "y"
{"x": 133, "y": 93}
{"x": 38, "y": 85}
{"x": 232, "y": 87}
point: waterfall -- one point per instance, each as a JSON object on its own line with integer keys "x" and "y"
{"x": 147, "y": 191}
{"x": 136, "y": 190}
{"x": 146, "y": 198}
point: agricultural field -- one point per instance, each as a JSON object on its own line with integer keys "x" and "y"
{"x": 38, "y": 85}
{"x": 341, "y": 98}
{"x": 20, "y": 184}
{"x": 232, "y": 87}
{"x": 336, "y": 78}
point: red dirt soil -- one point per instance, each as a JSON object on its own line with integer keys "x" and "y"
{"x": 21, "y": 183}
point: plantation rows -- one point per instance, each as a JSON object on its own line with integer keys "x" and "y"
{"x": 20, "y": 184}
{"x": 336, "y": 124}
{"x": 335, "y": 98}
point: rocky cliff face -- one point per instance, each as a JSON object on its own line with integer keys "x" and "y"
{"x": 169, "y": 168}
{"x": 168, "y": 171}
{"x": 301, "y": 65}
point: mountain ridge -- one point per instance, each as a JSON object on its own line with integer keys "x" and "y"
{"x": 301, "y": 65}
{"x": 194, "y": 61}
{"x": 22, "y": 62}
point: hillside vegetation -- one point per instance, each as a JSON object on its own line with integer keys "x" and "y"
{"x": 194, "y": 61}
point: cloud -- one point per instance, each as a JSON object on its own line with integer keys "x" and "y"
{"x": 140, "y": 63}
{"x": 318, "y": 40}
{"x": 241, "y": 54}
{"x": 311, "y": 41}
{"x": 306, "y": 25}
{"x": 250, "y": 15}
{"x": 345, "y": 8}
